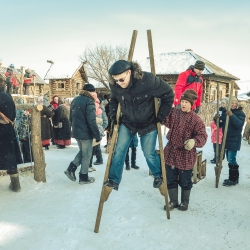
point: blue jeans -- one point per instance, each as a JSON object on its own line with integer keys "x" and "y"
{"x": 177, "y": 176}
{"x": 148, "y": 142}
{"x": 231, "y": 157}
{"x": 84, "y": 155}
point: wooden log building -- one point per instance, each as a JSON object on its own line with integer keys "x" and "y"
{"x": 66, "y": 79}
{"x": 169, "y": 65}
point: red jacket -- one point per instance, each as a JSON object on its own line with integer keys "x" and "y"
{"x": 183, "y": 126}
{"x": 188, "y": 80}
{"x": 12, "y": 78}
{"x": 214, "y": 132}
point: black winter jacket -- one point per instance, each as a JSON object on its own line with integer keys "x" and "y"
{"x": 83, "y": 117}
{"x": 235, "y": 126}
{"x": 137, "y": 101}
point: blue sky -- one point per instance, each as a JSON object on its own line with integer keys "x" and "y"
{"x": 34, "y": 31}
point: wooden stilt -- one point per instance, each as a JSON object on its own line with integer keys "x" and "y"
{"x": 219, "y": 167}
{"x": 105, "y": 190}
{"x": 163, "y": 188}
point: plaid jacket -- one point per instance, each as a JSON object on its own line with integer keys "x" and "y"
{"x": 183, "y": 126}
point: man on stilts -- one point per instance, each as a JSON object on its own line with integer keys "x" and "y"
{"x": 135, "y": 91}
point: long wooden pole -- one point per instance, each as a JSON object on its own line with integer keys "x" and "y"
{"x": 163, "y": 189}
{"x": 38, "y": 154}
{"x": 218, "y": 168}
{"x": 217, "y": 125}
{"x": 106, "y": 190}
{"x": 21, "y": 80}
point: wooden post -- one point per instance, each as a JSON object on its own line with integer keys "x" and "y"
{"x": 163, "y": 188}
{"x": 106, "y": 190}
{"x": 34, "y": 85}
{"x": 38, "y": 154}
{"x": 218, "y": 168}
{"x": 21, "y": 80}
{"x": 217, "y": 125}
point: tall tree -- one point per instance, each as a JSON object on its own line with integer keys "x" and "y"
{"x": 100, "y": 58}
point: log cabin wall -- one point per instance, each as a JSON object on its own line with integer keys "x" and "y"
{"x": 77, "y": 83}
{"x": 60, "y": 87}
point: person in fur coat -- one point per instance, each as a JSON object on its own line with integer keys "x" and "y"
{"x": 10, "y": 155}
{"x": 135, "y": 91}
{"x": 186, "y": 133}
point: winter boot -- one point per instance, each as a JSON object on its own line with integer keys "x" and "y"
{"x": 85, "y": 179}
{"x": 70, "y": 172}
{"x": 157, "y": 182}
{"x": 111, "y": 184}
{"x": 127, "y": 161}
{"x": 173, "y": 197}
{"x": 14, "y": 183}
{"x": 133, "y": 159}
{"x": 185, "y": 194}
{"x": 213, "y": 161}
{"x": 233, "y": 176}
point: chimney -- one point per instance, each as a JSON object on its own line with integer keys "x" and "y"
{"x": 188, "y": 50}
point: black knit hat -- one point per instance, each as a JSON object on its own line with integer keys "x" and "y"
{"x": 119, "y": 67}
{"x": 199, "y": 65}
{"x": 189, "y": 95}
{"x": 89, "y": 87}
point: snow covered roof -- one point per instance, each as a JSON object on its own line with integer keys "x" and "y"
{"x": 63, "y": 70}
{"x": 173, "y": 63}
{"x": 39, "y": 80}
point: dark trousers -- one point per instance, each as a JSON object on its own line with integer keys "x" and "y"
{"x": 26, "y": 151}
{"x": 177, "y": 176}
{"x": 98, "y": 153}
{"x": 214, "y": 146}
{"x": 9, "y": 89}
{"x": 133, "y": 157}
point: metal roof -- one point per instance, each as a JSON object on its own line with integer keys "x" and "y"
{"x": 173, "y": 63}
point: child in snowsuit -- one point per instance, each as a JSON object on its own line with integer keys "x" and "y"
{"x": 186, "y": 132}
{"x": 133, "y": 145}
{"x": 214, "y": 139}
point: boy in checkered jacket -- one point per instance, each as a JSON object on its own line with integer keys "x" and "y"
{"x": 186, "y": 132}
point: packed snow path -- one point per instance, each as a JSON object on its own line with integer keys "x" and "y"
{"x": 60, "y": 214}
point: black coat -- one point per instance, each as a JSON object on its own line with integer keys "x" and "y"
{"x": 235, "y": 126}
{"x": 10, "y": 154}
{"x": 62, "y": 115}
{"x": 83, "y": 117}
{"x": 46, "y": 113}
{"x": 137, "y": 101}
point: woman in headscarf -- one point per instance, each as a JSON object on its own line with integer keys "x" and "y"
{"x": 46, "y": 114}
{"x": 62, "y": 132}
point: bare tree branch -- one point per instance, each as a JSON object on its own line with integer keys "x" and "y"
{"x": 100, "y": 58}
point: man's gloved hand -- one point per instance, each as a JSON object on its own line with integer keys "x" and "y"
{"x": 229, "y": 112}
{"x": 197, "y": 110}
{"x": 113, "y": 119}
{"x": 156, "y": 120}
{"x": 216, "y": 116}
{"x": 189, "y": 144}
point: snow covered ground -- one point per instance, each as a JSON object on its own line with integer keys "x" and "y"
{"x": 61, "y": 214}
